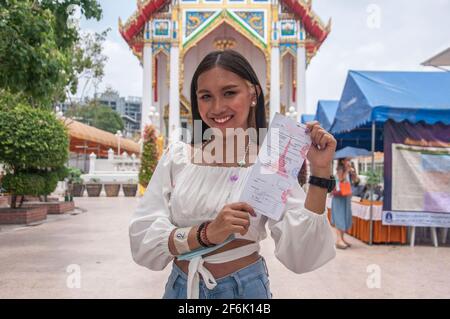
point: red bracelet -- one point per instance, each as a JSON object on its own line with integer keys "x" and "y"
{"x": 205, "y": 237}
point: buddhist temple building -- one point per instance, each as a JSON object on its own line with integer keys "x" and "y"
{"x": 171, "y": 37}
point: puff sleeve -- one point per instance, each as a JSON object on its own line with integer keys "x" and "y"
{"x": 304, "y": 240}
{"x": 150, "y": 225}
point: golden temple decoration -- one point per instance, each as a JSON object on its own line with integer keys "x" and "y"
{"x": 224, "y": 43}
{"x": 225, "y": 18}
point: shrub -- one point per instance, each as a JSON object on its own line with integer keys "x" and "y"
{"x": 32, "y": 138}
{"x": 51, "y": 180}
{"x": 24, "y": 184}
{"x": 149, "y": 157}
{"x": 34, "y": 146}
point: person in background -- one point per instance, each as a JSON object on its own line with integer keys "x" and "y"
{"x": 341, "y": 209}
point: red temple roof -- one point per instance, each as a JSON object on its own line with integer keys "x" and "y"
{"x": 311, "y": 22}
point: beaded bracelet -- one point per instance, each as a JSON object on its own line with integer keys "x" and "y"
{"x": 199, "y": 237}
{"x": 205, "y": 237}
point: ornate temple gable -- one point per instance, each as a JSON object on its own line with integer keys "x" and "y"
{"x": 199, "y": 22}
{"x": 253, "y": 21}
{"x": 195, "y": 21}
{"x": 296, "y": 22}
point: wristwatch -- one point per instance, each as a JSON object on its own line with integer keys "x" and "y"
{"x": 329, "y": 184}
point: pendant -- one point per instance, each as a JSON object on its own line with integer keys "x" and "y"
{"x": 241, "y": 163}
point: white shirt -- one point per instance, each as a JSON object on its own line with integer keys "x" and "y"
{"x": 182, "y": 194}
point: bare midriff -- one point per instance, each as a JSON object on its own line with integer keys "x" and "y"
{"x": 226, "y": 268}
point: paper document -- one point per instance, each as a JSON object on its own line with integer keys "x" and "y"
{"x": 276, "y": 169}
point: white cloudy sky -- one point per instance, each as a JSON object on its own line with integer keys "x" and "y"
{"x": 407, "y": 33}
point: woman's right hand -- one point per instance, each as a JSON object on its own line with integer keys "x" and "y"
{"x": 233, "y": 218}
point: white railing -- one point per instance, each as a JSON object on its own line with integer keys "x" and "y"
{"x": 116, "y": 168}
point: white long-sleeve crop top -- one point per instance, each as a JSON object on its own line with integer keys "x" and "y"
{"x": 182, "y": 194}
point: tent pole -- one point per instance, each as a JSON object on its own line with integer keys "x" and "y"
{"x": 371, "y": 188}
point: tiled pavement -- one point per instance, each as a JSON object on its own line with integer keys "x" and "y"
{"x": 39, "y": 262}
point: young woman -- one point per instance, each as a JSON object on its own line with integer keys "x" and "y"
{"x": 191, "y": 200}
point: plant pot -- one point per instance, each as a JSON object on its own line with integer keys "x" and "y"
{"x": 94, "y": 190}
{"x": 129, "y": 190}
{"x": 77, "y": 190}
{"x": 112, "y": 190}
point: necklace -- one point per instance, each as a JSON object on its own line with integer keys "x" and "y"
{"x": 242, "y": 162}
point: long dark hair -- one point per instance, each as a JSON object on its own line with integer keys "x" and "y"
{"x": 232, "y": 61}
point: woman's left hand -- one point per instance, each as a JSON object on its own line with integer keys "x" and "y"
{"x": 322, "y": 150}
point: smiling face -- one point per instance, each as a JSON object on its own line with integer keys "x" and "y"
{"x": 224, "y": 99}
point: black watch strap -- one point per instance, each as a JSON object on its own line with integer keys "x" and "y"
{"x": 328, "y": 184}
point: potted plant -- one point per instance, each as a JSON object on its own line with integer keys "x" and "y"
{"x": 130, "y": 189}
{"x": 112, "y": 189}
{"x": 75, "y": 182}
{"x": 94, "y": 187}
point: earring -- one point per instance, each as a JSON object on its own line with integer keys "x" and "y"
{"x": 253, "y": 103}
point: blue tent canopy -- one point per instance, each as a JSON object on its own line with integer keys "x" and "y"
{"x": 379, "y": 96}
{"x": 306, "y": 118}
{"x": 325, "y": 113}
{"x": 359, "y": 138}
{"x": 350, "y": 152}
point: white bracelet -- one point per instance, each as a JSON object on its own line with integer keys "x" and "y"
{"x": 180, "y": 239}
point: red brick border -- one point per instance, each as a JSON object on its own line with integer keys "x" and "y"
{"x": 53, "y": 207}
{"x": 22, "y": 215}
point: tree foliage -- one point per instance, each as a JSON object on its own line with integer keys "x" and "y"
{"x": 32, "y": 138}
{"x": 24, "y": 183}
{"x": 37, "y": 47}
{"x": 42, "y": 55}
{"x": 99, "y": 116}
{"x": 89, "y": 62}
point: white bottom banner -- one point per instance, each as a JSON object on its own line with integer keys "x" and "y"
{"x": 418, "y": 219}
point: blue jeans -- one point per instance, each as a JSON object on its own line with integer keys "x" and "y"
{"x": 250, "y": 282}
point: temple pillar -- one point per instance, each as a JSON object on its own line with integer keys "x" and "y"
{"x": 274, "y": 80}
{"x": 147, "y": 57}
{"x": 174, "y": 91}
{"x": 301, "y": 80}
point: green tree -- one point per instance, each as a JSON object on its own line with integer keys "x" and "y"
{"x": 89, "y": 63}
{"x": 37, "y": 47}
{"x": 34, "y": 146}
{"x": 99, "y": 116}
{"x": 149, "y": 157}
